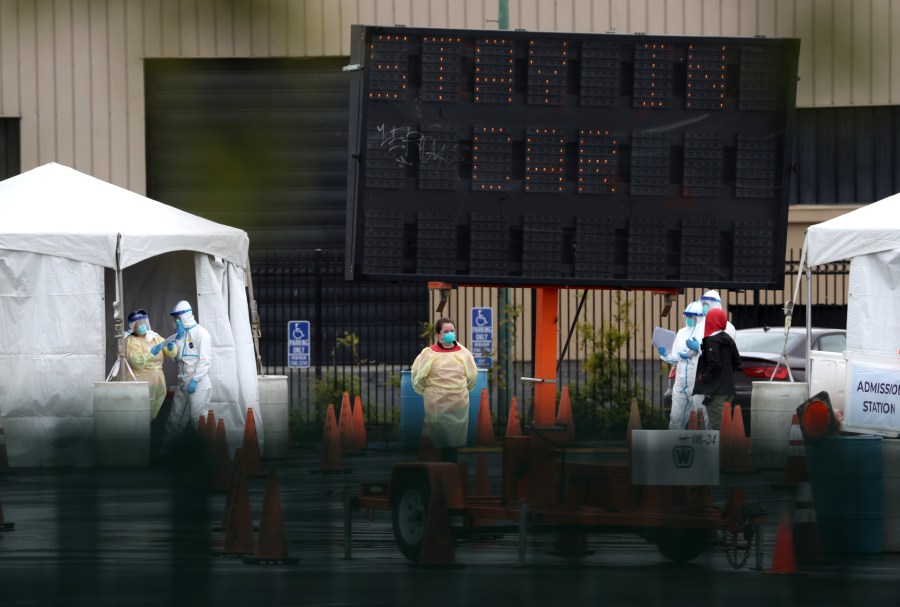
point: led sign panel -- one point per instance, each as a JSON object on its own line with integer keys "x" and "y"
{"x": 499, "y": 157}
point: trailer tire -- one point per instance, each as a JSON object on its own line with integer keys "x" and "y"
{"x": 409, "y": 514}
{"x": 681, "y": 545}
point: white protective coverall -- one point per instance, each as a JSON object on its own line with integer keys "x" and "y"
{"x": 444, "y": 378}
{"x": 685, "y": 361}
{"x": 193, "y": 353}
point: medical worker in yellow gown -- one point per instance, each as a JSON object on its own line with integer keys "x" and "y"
{"x": 147, "y": 367}
{"x": 444, "y": 374}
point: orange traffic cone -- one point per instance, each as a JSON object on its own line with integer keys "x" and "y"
{"x": 427, "y": 451}
{"x": 271, "y": 543}
{"x": 808, "y": 546}
{"x": 634, "y": 420}
{"x": 330, "y": 461}
{"x": 345, "y": 426}
{"x": 201, "y": 430}
{"x": 692, "y": 421}
{"x": 482, "y": 484}
{"x": 740, "y": 444}
{"x": 359, "y": 424}
{"x": 564, "y": 416}
{"x": 784, "y": 562}
{"x": 211, "y": 426}
{"x": 725, "y": 438}
{"x": 4, "y": 525}
{"x": 437, "y": 540}
{"x": 250, "y": 446}
{"x": 795, "y": 466}
{"x": 481, "y": 488}
{"x": 237, "y": 467}
{"x": 484, "y": 431}
{"x": 221, "y": 459}
{"x": 513, "y": 425}
{"x": 239, "y": 526}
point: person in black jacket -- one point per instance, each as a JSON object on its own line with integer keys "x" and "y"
{"x": 719, "y": 358}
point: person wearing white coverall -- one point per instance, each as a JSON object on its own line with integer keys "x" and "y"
{"x": 444, "y": 374}
{"x": 192, "y": 350}
{"x": 684, "y": 357}
{"x": 711, "y": 301}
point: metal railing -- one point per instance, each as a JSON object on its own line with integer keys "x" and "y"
{"x": 363, "y": 334}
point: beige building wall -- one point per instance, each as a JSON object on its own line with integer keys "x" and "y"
{"x": 72, "y": 70}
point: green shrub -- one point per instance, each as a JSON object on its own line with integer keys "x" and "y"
{"x": 601, "y": 406}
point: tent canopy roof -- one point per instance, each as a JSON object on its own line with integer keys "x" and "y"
{"x": 870, "y": 229}
{"x": 56, "y": 210}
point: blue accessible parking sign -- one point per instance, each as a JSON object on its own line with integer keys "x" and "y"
{"x": 482, "y": 329}
{"x": 298, "y": 344}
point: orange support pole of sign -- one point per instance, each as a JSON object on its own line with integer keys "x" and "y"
{"x": 545, "y": 351}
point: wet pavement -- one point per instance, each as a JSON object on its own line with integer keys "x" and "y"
{"x": 148, "y": 536}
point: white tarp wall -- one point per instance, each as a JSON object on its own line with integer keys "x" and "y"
{"x": 51, "y": 352}
{"x": 222, "y": 310}
{"x": 873, "y": 309}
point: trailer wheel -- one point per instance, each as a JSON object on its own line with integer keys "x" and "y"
{"x": 409, "y": 515}
{"x": 681, "y": 545}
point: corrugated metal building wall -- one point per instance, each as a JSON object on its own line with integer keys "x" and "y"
{"x": 73, "y": 69}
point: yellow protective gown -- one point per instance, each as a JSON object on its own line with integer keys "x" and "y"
{"x": 444, "y": 378}
{"x": 147, "y": 367}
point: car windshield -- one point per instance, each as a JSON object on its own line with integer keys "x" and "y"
{"x": 771, "y": 341}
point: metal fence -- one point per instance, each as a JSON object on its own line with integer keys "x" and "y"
{"x": 364, "y": 334}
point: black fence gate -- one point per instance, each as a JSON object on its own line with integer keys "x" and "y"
{"x": 363, "y": 334}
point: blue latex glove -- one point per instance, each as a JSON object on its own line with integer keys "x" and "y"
{"x": 683, "y": 356}
{"x": 693, "y": 344}
{"x": 155, "y": 349}
{"x": 180, "y": 332}
{"x": 662, "y": 351}
{"x": 192, "y": 386}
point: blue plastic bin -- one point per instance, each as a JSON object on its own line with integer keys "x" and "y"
{"x": 412, "y": 410}
{"x": 846, "y": 477}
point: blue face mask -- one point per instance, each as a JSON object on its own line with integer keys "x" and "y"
{"x": 690, "y": 321}
{"x": 705, "y": 308}
{"x": 179, "y": 324}
{"x": 448, "y": 338}
{"x": 141, "y": 330}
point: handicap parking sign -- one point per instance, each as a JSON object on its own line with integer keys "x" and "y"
{"x": 482, "y": 330}
{"x": 298, "y": 344}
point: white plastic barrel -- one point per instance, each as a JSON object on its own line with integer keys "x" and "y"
{"x": 122, "y": 423}
{"x": 273, "y": 409}
{"x": 772, "y": 408}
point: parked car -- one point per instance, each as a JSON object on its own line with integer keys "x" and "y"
{"x": 761, "y": 349}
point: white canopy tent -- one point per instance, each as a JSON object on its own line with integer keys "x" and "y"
{"x": 76, "y": 254}
{"x": 870, "y": 238}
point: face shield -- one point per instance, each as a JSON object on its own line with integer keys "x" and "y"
{"x": 182, "y": 315}
{"x": 139, "y": 322}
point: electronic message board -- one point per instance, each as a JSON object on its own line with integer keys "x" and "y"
{"x": 523, "y": 158}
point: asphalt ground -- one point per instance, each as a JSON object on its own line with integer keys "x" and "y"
{"x": 149, "y": 536}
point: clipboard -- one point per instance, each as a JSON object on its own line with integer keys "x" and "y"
{"x": 663, "y": 338}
